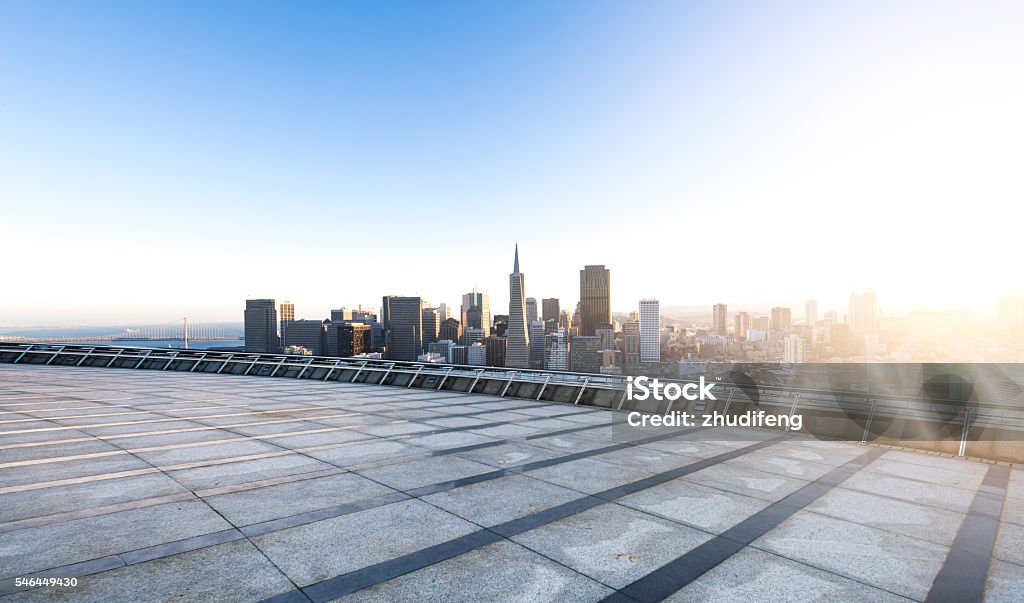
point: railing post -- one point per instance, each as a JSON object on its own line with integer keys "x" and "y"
{"x": 966, "y": 431}
{"x": 252, "y": 364}
{"x": 305, "y": 368}
{"x": 22, "y": 354}
{"x": 445, "y": 378}
{"x": 143, "y": 359}
{"x": 728, "y": 401}
{"x": 792, "y": 410}
{"x": 386, "y": 373}
{"x": 356, "y": 376}
{"x": 84, "y": 356}
{"x": 174, "y": 356}
{"x": 543, "y": 387}
{"x": 274, "y": 372}
{"x": 507, "y": 385}
{"x": 413, "y": 380}
{"x": 227, "y": 361}
{"x": 55, "y": 354}
{"x": 867, "y": 425}
{"x": 194, "y": 366}
{"x": 586, "y": 380}
{"x": 472, "y": 385}
{"x": 333, "y": 368}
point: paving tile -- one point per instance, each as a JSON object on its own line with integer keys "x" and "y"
{"x": 892, "y": 562}
{"x": 34, "y": 549}
{"x": 612, "y": 544}
{"x": 753, "y": 575}
{"x": 705, "y": 508}
{"x": 497, "y": 572}
{"x": 504, "y": 499}
{"x": 283, "y": 500}
{"x": 235, "y": 571}
{"x": 423, "y": 472}
{"x": 328, "y": 548}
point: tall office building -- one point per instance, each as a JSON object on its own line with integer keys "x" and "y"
{"x": 650, "y": 330}
{"x": 536, "y": 344}
{"x": 403, "y": 327}
{"x": 585, "y": 353}
{"x": 531, "y": 309}
{"x": 518, "y": 353}
{"x": 476, "y": 354}
{"x": 556, "y": 351}
{"x": 793, "y": 349}
{"x": 631, "y": 342}
{"x": 354, "y": 338}
{"x": 442, "y": 347}
{"x": 782, "y": 319}
{"x": 606, "y": 333}
{"x": 495, "y": 350}
{"x": 595, "y": 298}
{"x": 741, "y": 324}
{"x": 472, "y": 335}
{"x": 863, "y": 314}
{"x": 287, "y": 313}
{"x": 720, "y": 319}
{"x": 550, "y": 308}
{"x": 443, "y": 312}
{"x": 309, "y": 334}
{"x": 450, "y": 329}
{"x": 476, "y": 311}
{"x": 811, "y": 311}
{"x": 431, "y": 325}
{"x": 261, "y": 326}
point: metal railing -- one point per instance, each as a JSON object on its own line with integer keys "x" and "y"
{"x": 850, "y": 415}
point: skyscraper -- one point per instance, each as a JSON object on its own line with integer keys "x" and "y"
{"x": 741, "y": 323}
{"x": 518, "y": 353}
{"x": 450, "y": 329}
{"x": 550, "y": 308}
{"x": 309, "y": 334}
{"x": 476, "y": 311}
{"x": 287, "y": 313}
{"x": 650, "y": 330}
{"x": 261, "y": 327}
{"x": 720, "y": 319}
{"x": 403, "y": 327}
{"x": 536, "y": 344}
{"x": 595, "y": 298}
{"x": 585, "y": 354}
{"x": 631, "y": 342}
{"x": 863, "y": 314}
{"x": 793, "y": 350}
{"x": 811, "y": 311}
{"x": 431, "y": 325}
{"x": 556, "y": 351}
{"x": 531, "y": 309}
{"x": 782, "y": 319}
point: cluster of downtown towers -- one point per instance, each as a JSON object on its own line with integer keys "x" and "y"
{"x": 408, "y": 330}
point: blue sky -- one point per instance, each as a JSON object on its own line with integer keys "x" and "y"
{"x": 165, "y": 159}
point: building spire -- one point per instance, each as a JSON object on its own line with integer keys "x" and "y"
{"x": 515, "y": 269}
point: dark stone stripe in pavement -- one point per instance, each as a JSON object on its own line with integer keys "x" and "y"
{"x": 963, "y": 575}
{"x": 377, "y": 573}
{"x": 683, "y": 570}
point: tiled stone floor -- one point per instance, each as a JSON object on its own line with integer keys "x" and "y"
{"x": 154, "y": 486}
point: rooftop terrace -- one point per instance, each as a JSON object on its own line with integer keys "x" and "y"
{"x": 150, "y": 485}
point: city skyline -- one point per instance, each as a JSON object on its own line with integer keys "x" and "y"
{"x": 817, "y": 150}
